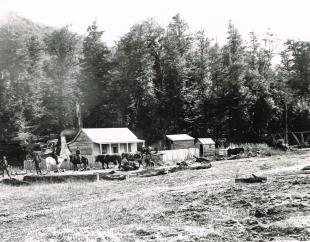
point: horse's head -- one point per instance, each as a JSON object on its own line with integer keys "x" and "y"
{"x": 97, "y": 158}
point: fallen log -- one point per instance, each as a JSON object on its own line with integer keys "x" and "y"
{"x": 112, "y": 177}
{"x": 306, "y": 168}
{"x": 253, "y": 179}
{"x": 181, "y": 168}
{"x": 72, "y": 177}
{"x": 200, "y": 167}
{"x": 201, "y": 159}
{"x": 154, "y": 173}
{"x": 150, "y": 172}
{"x": 15, "y": 182}
{"x": 234, "y": 157}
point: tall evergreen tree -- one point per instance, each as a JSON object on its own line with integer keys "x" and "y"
{"x": 95, "y": 80}
{"x": 62, "y": 69}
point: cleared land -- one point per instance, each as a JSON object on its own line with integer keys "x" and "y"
{"x": 196, "y": 205}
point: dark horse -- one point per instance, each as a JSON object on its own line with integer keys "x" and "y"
{"x": 106, "y": 159}
{"x": 76, "y": 159}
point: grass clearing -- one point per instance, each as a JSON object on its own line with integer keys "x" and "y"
{"x": 198, "y": 205}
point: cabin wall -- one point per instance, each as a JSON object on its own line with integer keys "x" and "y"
{"x": 86, "y": 146}
{"x": 182, "y": 144}
{"x": 208, "y": 150}
{"x": 83, "y": 143}
{"x": 96, "y": 149}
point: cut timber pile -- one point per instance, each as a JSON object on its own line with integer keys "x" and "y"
{"x": 253, "y": 179}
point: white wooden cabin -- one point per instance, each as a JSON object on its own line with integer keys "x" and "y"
{"x": 96, "y": 141}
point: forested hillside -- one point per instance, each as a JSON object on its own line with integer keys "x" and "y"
{"x": 156, "y": 80}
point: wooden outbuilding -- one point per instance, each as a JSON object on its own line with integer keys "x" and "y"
{"x": 180, "y": 141}
{"x": 96, "y": 141}
{"x": 206, "y": 146}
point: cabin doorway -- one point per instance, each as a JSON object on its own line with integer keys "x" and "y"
{"x": 201, "y": 150}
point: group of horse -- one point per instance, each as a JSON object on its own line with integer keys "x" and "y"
{"x": 118, "y": 160}
{"x": 57, "y": 161}
{"x": 105, "y": 159}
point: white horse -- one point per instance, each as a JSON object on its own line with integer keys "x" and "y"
{"x": 50, "y": 161}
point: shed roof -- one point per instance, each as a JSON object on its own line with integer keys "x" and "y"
{"x": 109, "y": 135}
{"x": 205, "y": 141}
{"x": 175, "y": 137}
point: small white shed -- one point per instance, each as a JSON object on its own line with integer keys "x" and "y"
{"x": 179, "y": 141}
{"x": 206, "y": 146}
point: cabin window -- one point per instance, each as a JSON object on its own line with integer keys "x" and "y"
{"x": 129, "y": 147}
{"x": 104, "y": 148}
{"x": 115, "y": 149}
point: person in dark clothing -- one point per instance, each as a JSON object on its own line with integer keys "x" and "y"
{"x": 78, "y": 154}
{"x": 37, "y": 160}
{"x": 54, "y": 155}
{"x": 4, "y": 166}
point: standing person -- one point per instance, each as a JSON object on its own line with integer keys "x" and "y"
{"x": 37, "y": 160}
{"x": 78, "y": 154}
{"x": 4, "y": 166}
{"x": 54, "y": 155}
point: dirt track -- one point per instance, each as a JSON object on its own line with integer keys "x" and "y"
{"x": 202, "y": 205}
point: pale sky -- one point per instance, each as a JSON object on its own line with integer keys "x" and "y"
{"x": 287, "y": 19}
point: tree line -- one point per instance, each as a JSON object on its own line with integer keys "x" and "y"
{"x": 156, "y": 80}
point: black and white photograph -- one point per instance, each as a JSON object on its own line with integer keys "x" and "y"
{"x": 144, "y": 120}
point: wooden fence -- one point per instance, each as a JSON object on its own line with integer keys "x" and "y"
{"x": 173, "y": 156}
{"x": 29, "y": 165}
{"x": 66, "y": 165}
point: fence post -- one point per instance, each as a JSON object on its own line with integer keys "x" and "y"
{"x": 97, "y": 174}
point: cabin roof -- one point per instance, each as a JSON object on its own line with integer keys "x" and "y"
{"x": 109, "y": 135}
{"x": 205, "y": 141}
{"x": 176, "y": 137}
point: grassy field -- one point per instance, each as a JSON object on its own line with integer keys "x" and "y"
{"x": 200, "y": 205}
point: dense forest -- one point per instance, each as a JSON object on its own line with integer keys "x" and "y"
{"x": 156, "y": 80}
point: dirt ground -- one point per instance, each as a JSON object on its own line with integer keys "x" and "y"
{"x": 196, "y": 205}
